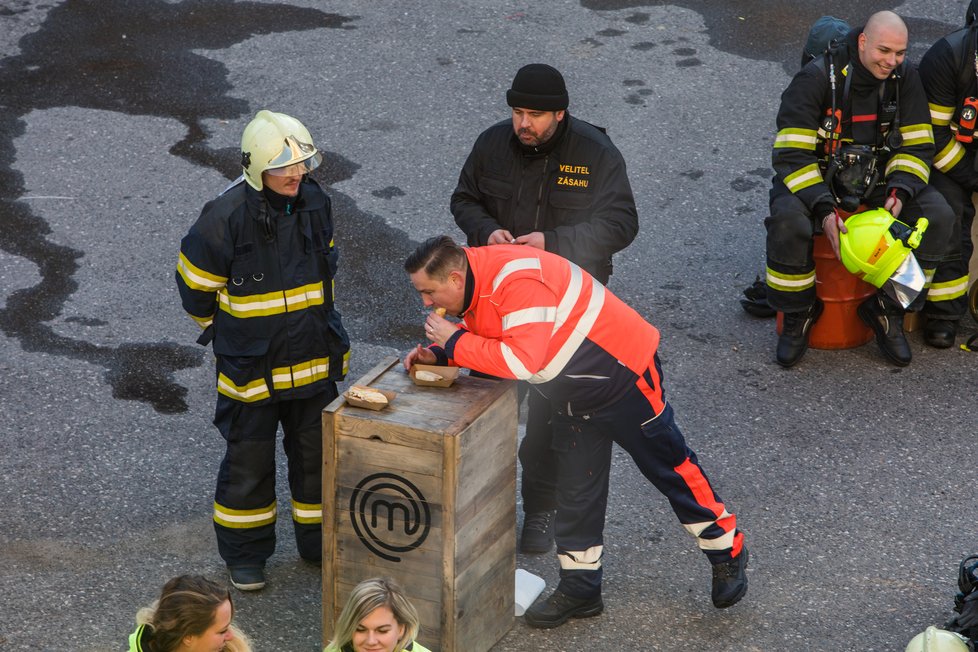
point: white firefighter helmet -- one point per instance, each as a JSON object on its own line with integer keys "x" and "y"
{"x": 278, "y": 144}
{"x": 933, "y": 639}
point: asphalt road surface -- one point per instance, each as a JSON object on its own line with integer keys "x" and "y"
{"x": 854, "y": 481}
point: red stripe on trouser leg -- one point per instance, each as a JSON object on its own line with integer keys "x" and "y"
{"x": 699, "y": 486}
{"x": 728, "y": 523}
{"x": 653, "y": 395}
{"x": 738, "y": 544}
{"x": 703, "y": 494}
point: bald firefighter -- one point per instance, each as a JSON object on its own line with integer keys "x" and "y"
{"x": 853, "y": 133}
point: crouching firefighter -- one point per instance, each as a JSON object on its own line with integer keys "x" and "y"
{"x": 256, "y": 272}
{"x": 853, "y": 133}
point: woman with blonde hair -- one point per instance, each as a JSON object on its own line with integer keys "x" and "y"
{"x": 377, "y": 617}
{"x": 193, "y": 614}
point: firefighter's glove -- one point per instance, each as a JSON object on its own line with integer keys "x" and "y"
{"x": 969, "y": 611}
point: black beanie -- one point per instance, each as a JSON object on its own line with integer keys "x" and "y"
{"x": 538, "y": 86}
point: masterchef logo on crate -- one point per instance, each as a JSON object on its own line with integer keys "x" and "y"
{"x": 390, "y": 515}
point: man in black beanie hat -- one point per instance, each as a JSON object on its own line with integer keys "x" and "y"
{"x": 543, "y": 179}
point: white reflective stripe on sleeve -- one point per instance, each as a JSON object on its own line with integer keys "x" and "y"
{"x": 569, "y": 300}
{"x": 581, "y": 330}
{"x": 940, "y": 114}
{"x": 512, "y": 266}
{"x": 918, "y": 132}
{"x": 544, "y": 314}
{"x": 516, "y": 366}
{"x": 909, "y": 164}
{"x": 804, "y": 180}
{"x": 589, "y": 559}
{"x": 951, "y": 153}
{"x": 197, "y": 278}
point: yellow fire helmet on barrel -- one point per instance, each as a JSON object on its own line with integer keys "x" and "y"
{"x": 278, "y": 144}
{"x": 877, "y": 243}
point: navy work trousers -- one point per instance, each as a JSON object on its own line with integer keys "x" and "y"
{"x": 246, "y": 479}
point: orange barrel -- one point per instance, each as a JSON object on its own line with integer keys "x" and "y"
{"x": 839, "y": 327}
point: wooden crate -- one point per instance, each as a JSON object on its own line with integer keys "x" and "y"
{"x": 424, "y": 491}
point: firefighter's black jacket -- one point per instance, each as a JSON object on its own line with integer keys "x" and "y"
{"x": 262, "y": 283}
{"x": 947, "y": 71}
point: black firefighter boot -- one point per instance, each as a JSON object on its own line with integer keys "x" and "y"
{"x": 940, "y": 333}
{"x": 795, "y": 328}
{"x": 885, "y": 318}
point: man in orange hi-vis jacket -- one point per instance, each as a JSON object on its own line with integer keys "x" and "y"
{"x": 531, "y": 315}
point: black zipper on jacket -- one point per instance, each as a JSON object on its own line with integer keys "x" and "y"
{"x": 543, "y": 182}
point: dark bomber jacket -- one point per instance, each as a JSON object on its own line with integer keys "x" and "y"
{"x": 584, "y": 205}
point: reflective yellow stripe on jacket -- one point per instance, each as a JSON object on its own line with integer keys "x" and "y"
{"x": 256, "y": 390}
{"x": 298, "y": 375}
{"x": 272, "y": 303}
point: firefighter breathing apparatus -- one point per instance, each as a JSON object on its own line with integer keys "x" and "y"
{"x": 877, "y": 248}
{"x": 852, "y": 171}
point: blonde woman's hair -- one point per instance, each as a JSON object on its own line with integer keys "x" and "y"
{"x": 367, "y": 596}
{"x": 186, "y": 607}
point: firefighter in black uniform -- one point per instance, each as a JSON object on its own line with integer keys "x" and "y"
{"x": 256, "y": 272}
{"x": 544, "y": 179}
{"x": 853, "y": 130}
{"x": 950, "y": 79}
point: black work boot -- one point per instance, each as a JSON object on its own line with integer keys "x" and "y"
{"x": 730, "y": 581}
{"x": 939, "y": 333}
{"x": 247, "y": 578}
{"x": 795, "y": 328}
{"x": 538, "y": 532}
{"x": 559, "y": 608}
{"x": 885, "y": 318}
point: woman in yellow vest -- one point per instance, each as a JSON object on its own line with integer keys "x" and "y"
{"x": 193, "y": 614}
{"x": 377, "y": 617}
